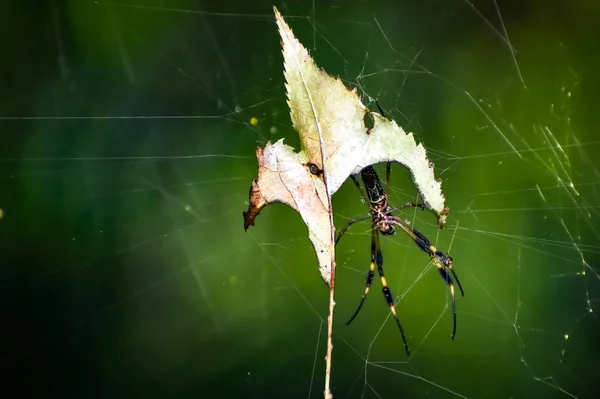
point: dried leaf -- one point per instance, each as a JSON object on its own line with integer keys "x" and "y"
{"x": 335, "y": 143}
{"x": 284, "y": 176}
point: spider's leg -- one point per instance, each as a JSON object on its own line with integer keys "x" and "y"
{"x": 360, "y": 188}
{"x": 443, "y": 263}
{"x": 369, "y": 277}
{"x": 441, "y": 260}
{"x": 448, "y": 279}
{"x": 380, "y": 109}
{"x": 388, "y": 165}
{"x": 388, "y": 172}
{"x": 387, "y": 293}
{"x": 457, "y": 280}
{"x": 422, "y": 242}
{"x": 350, "y": 223}
{"x": 410, "y": 205}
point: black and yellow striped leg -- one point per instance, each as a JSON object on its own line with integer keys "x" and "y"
{"x": 441, "y": 260}
{"x": 369, "y": 277}
{"x": 457, "y": 280}
{"x": 387, "y": 293}
{"x": 443, "y": 263}
{"x": 446, "y": 276}
{"x": 377, "y": 259}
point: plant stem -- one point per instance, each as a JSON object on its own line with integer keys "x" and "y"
{"x": 328, "y": 394}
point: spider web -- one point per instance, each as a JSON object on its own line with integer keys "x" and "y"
{"x": 129, "y": 132}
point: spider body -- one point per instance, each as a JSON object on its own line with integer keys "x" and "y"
{"x": 384, "y": 221}
{"x": 378, "y": 205}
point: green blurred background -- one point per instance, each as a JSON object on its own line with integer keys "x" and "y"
{"x": 126, "y": 153}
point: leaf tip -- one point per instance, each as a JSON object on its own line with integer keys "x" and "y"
{"x": 281, "y": 24}
{"x": 443, "y": 216}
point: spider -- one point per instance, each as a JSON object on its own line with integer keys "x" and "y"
{"x": 383, "y": 221}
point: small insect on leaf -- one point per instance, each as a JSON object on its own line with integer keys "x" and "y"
{"x": 335, "y": 143}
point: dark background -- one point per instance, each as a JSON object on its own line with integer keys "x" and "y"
{"x": 126, "y": 153}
